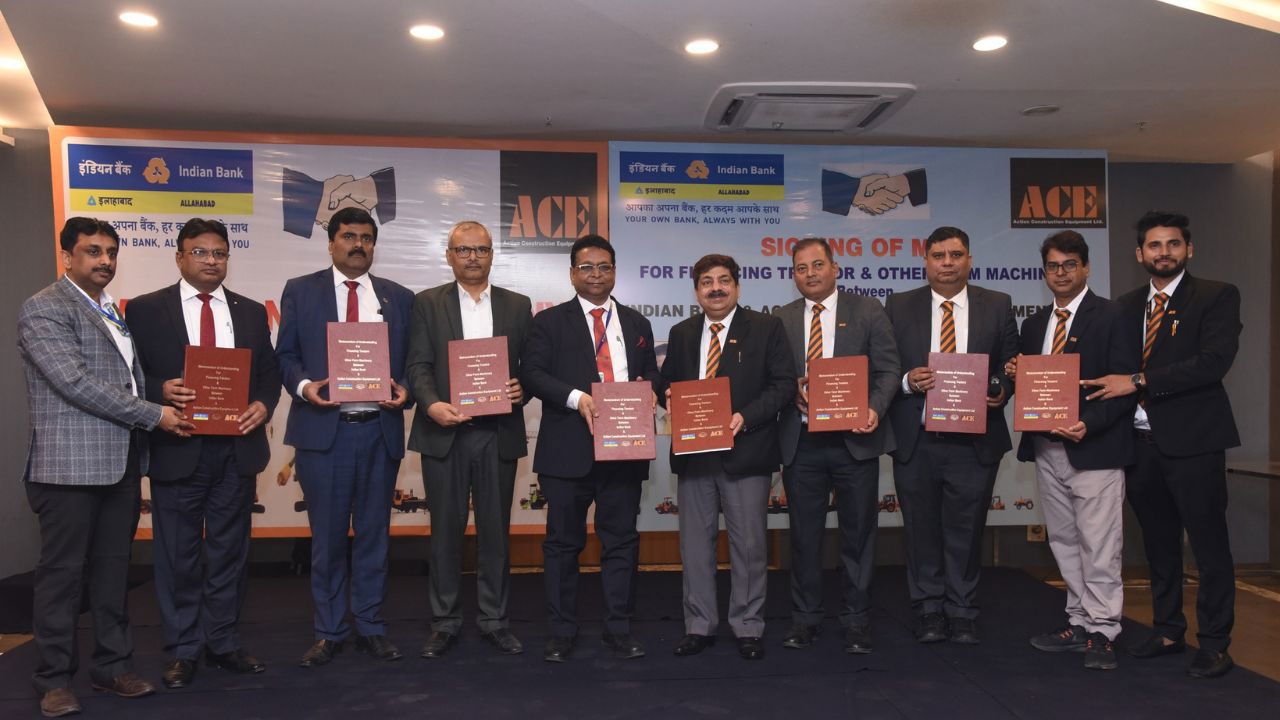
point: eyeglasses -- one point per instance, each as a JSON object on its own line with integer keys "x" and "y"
{"x": 1052, "y": 268}
{"x": 205, "y": 253}
{"x": 587, "y": 268}
{"x": 466, "y": 251}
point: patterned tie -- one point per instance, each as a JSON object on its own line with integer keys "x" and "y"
{"x": 353, "y": 301}
{"x": 1154, "y": 317}
{"x": 1060, "y": 332}
{"x": 604, "y": 360}
{"x": 947, "y": 338}
{"x": 815, "y": 335}
{"x": 208, "y": 336}
{"x": 713, "y": 350}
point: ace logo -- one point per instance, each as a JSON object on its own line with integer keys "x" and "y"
{"x": 1058, "y": 192}
{"x": 549, "y": 199}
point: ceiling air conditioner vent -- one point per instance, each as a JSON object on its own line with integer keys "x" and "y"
{"x": 847, "y": 107}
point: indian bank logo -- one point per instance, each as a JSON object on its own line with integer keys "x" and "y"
{"x": 698, "y": 170}
{"x": 157, "y": 173}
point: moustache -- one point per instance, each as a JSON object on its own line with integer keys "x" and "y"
{"x": 359, "y": 252}
{"x": 717, "y": 294}
{"x": 103, "y": 268}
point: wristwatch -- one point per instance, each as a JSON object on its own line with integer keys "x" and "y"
{"x": 1137, "y": 380}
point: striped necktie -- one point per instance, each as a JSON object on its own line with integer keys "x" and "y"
{"x": 815, "y": 335}
{"x": 1154, "y": 315}
{"x": 947, "y": 338}
{"x": 1060, "y": 332}
{"x": 713, "y": 350}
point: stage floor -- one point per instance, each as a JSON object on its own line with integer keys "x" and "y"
{"x": 1001, "y": 678}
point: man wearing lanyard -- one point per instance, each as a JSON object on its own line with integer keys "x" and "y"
{"x": 1189, "y": 332}
{"x": 591, "y": 338}
{"x": 202, "y": 488}
{"x": 86, "y": 458}
{"x": 465, "y": 458}
{"x": 348, "y": 454}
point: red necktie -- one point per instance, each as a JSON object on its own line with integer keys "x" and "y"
{"x": 604, "y": 361}
{"x": 208, "y": 336}
{"x": 353, "y": 301}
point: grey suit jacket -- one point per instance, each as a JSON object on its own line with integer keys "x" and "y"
{"x": 862, "y": 328}
{"x": 437, "y": 319}
{"x": 79, "y": 392}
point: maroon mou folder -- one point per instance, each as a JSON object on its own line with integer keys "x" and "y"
{"x": 624, "y": 423}
{"x": 838, "y": 393}
{"x": 220, "y": 377}
{"x": 478, "y": 374}
{"x": 1047, "y": 394}
{"x": 957, "y": 402}
{"x": 359, "y": 362}
{"x": 700, "y": 412}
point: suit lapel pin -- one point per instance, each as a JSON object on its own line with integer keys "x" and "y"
{"x": 840, "y": 325}
{"x": 1073, "y": 339}
{"x": 733, "y": 341}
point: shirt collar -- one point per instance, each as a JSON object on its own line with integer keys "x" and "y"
{"x": 1168, "y": 289}
{"x": 464, "y": 295}
{"x": 726, "y": 320}
{"x": 104, "y": 301}
{"x": 186, "y": 291}
{"x": 961, "y": 299}
{"x": 339, "y": 279}
{"x": 828, "y": 303}
{"x": 588, "y": 306}
{"x": 1074, "y": 305}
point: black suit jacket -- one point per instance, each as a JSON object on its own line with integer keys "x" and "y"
{"x": 762, "y": 381}
{"x": 559, "y": 357}
{"x": 992, "y": 330}
{"x": 862, "y": 328}
{"x": 437, "y": 319}
{"x": 160, "y": 334}
{"x": 1105, "y": 346}
{"x": 1187, "y": 405}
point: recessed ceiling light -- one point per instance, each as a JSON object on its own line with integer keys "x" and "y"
{"x": 1040, "y": 110}
{"x": 702, "y": 46}
{"x": 427, "y": 32}
{"x": 139, "y": 19}
{"x": 11, "y": 63}
{"x": 990, "y": 42}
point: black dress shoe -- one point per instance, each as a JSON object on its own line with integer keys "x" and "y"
{"x": 931, "y": 628}
{"x": 801, "y": 636}
{"x": 178, "y": 673}
{"x": 624, "y": 646}
{"x": 1154, "y": 646}
{"x": 503, "y": 640}
{"x": 964, "y": 631}
{"x": 750, "y": 648}
{"x": 1209, "y": 664}
{"x": 557, "y": 648}
{"x": 693, "y": 644}
{"x": 237, "y": 661}
{"x": 438, "y": 644}
{"x": 320, "y": 653}
{"x": 378, "y": 647}
{"x": 857, "y": 641}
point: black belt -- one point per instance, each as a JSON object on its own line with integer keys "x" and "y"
{"x": 358, "y": 416}
{"x": 1144, "y": 435}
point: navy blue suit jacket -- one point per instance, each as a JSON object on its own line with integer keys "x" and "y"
{"x": 306, "y": 306}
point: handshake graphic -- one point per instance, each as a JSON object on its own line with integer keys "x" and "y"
{"x": 874, "y": 194}
{"x": 309, "y": 202}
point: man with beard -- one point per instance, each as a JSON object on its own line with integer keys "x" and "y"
{"x": 1189, "y": 332}
{"x": 591, "y": 338}
{"x": 86, "y": 458}
{"x": 348, "y": 454}
{"x": 466, "y": 458}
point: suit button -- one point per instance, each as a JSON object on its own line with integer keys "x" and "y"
{"x": 128, "y": 386}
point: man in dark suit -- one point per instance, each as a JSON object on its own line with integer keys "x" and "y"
{"x": 828, "y": 323}
{"x": 944, "y": 480}
{"x": 465, "y": 458}
{"x": 348, "y": 454}
{"x": 87, "y": 452}
{"x": 591, "y": 338}
{"x": 1080, "y": 465}
{"x": 202, "y": 488}
{"x": 1189, "y": 332}
{"x": 750, "y": 348}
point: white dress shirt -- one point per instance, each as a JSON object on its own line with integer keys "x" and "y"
{"x": 706, "y": 340}
{"x": 959, "y": 316}
{"x": 370, "y": 310}
{"x": 477, "y": 315}
{"x": 613, "y": 336}
{"x": 828, "y": 320}
{"x": 1046, "y": 348}
{"x": 223, "y": 331}
{"x": 124, "y": 343}
{"x": 1140, "y": 419}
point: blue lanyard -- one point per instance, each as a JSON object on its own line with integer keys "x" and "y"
{"x": 604, "y": 336}
{"x": 110, "y": 316}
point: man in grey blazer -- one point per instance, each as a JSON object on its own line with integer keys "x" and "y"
{"x": 467, "y": 458}
{"x": 944, "y": 480}
{"x": 825, "y": 323}
{"x": 86, "y": 458}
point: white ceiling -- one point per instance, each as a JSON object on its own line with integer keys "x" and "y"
{"x": 1208, "y": 90}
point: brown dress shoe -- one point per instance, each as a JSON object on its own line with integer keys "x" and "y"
{"x": 127, "y": 685}
{"x": 58, "y": 702}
